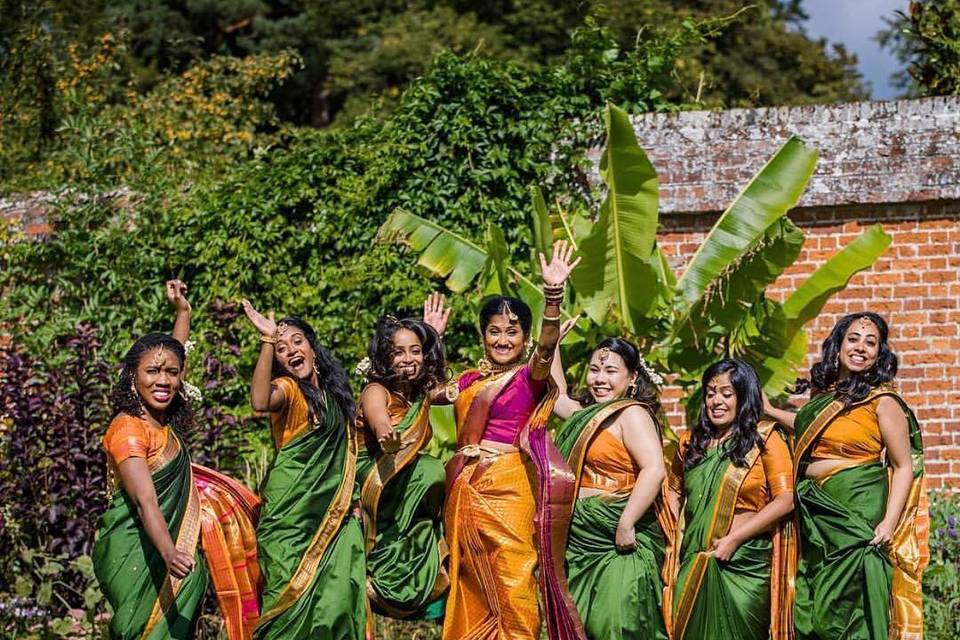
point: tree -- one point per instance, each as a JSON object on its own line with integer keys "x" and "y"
{"x": 927, "y": 40}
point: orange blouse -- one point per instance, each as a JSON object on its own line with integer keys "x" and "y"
{"x": 397, "y": 407}
{"x": 853, "y": 435}
{"x": 607, "y": 464}
{"x": 294, "y": 417}
{"x": 770, "y": 477}
{"x": 129, "y": 437}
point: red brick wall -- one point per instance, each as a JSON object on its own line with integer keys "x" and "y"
{"x": 915, "y": 286}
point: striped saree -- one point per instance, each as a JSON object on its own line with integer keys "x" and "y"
{"x": 846, "y": 587}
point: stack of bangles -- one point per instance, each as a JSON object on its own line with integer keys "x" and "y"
{"x": 552, "y": 296}
{"x": 268, "y": 339}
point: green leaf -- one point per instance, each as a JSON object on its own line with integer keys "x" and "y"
{"x": 91, "y": 596}
{"x": 832, "y": 276}
{"x": 45, "y": 592}
{"x": 542, "y": 230}
{"x": 617, "y": 269}
{"x": 496, "y": 280}
{"x": 444, "y": 253}
{"x": 23, "y": 587}
{"x": 767, "y": 197}
{"x": 84, "y": 564}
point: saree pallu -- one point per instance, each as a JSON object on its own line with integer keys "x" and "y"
{"x": 846, "y": 587}
{"x": 618, "y": 595}
{"x": 506, "y": 523}
{"x": 401, "y": 498}
{"x": 310, "y": 549}
{"x": 209, "y": 516}
{"x": 748, "y": 597}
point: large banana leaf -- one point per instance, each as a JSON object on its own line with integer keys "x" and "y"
{"x": 617, "y": 269}
{"x": 496, "y": 280}
{"x": 444, "y": 253}
{"x": 832, "y": 276}
{"x": 768, "y": 196}
{"x": 542, "y": 229}
{"x": 778, "y": 368}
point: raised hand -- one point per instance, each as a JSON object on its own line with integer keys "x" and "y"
{"x": 558, "y": 270}
{"x": 567, "y": 326}
{"x": 264, "y": 324}
{"x": 176, "y": 291}
{"x": 434, "y": 313}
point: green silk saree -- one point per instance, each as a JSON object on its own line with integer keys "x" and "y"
{"x": 846, "y": 587}
{"x": 401, "y": 498}
{"x": 310, "y": 549}
{"x": 617, "y": 595}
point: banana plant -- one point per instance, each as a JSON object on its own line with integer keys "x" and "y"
{"x": 624, "y": 284}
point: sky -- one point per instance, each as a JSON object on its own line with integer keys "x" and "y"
{"x": 854, "y": 23}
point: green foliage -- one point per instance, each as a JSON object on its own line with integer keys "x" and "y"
{"x": 927, "y": 39}
{"x": 941, "y": 580}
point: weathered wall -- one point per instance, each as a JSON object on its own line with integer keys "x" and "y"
{"x": 894, "y": 163}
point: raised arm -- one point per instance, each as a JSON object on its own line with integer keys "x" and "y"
{"x": 437, "y": 314}
{"x": 177, "y": 297}
{"x": 263, "y": 395}
{"x": 783, "y": 416}
{"x": 137, "y": 482}
{"x": 555, "y": 275}
{"x": 565, "y": 405}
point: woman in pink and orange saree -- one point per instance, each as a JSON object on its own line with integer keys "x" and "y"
{"x": 509, "y": 490}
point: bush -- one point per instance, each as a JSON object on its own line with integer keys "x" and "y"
{"x": 941, "y": 581}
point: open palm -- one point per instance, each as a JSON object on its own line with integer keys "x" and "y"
{"x": 558, "y": 270}
{"x": 264, "y": 324}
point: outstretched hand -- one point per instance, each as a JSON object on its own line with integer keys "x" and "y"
{"x": 264, "y": 324}
{"x": 434, "y": 313}
{"x": 176, "y": 291}
{"x": 567, "y": 326}
{"x": 558, "y": 270}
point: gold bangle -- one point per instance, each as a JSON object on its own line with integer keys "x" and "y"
{"x": 551, "y": 318}
{"x": 268, "y": 339}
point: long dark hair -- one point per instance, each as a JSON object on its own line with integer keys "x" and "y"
{"x": 330, "y": 375}
{"x": 124, "y": 397}
{"x": 824, "y": 375}
{"x": 644, "y": 390}
{"x": 380, "y": 352}
{"x": 505, "y": 305}
{"x": 744, "y": 436}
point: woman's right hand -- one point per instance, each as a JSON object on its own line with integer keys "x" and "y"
{"x": 434, "y": 313}
{"x": 179, "y": 564}
{"x": 389, "y": 440}
{"x": 264, "y": 324}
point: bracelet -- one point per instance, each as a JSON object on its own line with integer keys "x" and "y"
{"x": 268, "y": 339}
{"x": 551, "y": 318}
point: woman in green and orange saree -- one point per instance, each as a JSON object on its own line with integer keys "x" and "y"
{"x": 509, "y": 491}
{"x": 732, "y": 481}
{"x": 618, "y": 534}
{"x": 171, "y": 526}
{"x": 401, "y": 486}
{"x": 861, "y": 499}
{"x": 310, "y": 544}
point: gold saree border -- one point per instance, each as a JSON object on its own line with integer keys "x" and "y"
{"x": 336, "y": 512}
{"x": 187, "y": 538}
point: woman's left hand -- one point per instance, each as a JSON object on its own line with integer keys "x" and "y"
{"x": 557, "y": 272}
{"x": 434, "y": 313}
{"x": 626, "y": 538}
{"x": 883, "y": 534}
{"x": 724, "y": 548}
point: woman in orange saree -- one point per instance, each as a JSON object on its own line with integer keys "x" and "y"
{"x": 509, "y": 491}
{"x": 861, "y": 497}
{"x": 171, "y": 525}
{"x": 732, "y": 480}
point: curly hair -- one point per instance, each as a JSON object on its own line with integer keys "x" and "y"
{"x": 745, "y": 436}
{"x": 330, "y": 374}
{"x": 380, "y": 351}
{"x": 124, "y": 397}
{"x": 825, "y": 374}
{"x": 644, "y": 390}
{"x": 505, "y": 305}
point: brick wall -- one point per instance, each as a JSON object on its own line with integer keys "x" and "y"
{"x": 894, "y": 163}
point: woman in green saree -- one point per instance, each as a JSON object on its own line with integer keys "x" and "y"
{"x": 310, "y": 545}
{"x": 401, "y": 486}
{"x": 620, "y": 526}
{"x": 171, "y": 526}
{"x": 861, "y": 499}
{"x": 732, "y": 482}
